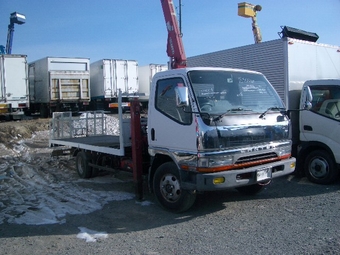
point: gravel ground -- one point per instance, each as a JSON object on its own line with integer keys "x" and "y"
{"x": 290, "y": 216}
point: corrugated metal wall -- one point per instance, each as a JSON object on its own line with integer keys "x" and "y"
{"x": 266, "y": 57}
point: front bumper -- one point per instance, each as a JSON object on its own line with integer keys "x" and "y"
{"x": 236, "y": 178}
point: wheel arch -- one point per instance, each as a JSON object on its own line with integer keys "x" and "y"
{"x": 308, "y": 147}
{"x": 75, "y": 152}
{"x": 156, "y": 161}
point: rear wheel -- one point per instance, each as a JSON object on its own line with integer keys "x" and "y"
{"x": 320, "y": 167}
{"x": 82, "y": 165}
{"x": 43, "y": 111}
{"x": 168, "y": 190}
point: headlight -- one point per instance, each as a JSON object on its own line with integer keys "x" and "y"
{"x": 284, "y": 150}
{"x": 213, "y": 163}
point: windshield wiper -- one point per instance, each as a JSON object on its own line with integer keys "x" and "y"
{"x": 239, "y": 109}
{"x": 275, "y": 108}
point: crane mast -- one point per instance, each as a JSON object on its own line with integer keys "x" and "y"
{"x": 175, "y": 48}
{"x": 15, "y": 18}
{"x": 249, "y": 10}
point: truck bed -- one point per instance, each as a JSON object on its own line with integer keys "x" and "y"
{"x": 102, "y": 143}
{"x": 88, "y": 133}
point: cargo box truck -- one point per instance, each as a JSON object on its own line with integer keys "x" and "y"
{"x": 59, "y": 84}
{"x": 108, "y": 77}
{"x": 288, "y": 63}
{"x": 146, "y": 74}
{"x": 14, "y": 100}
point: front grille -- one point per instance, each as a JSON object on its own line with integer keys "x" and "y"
{"x": 243, "y": 140}
{"x": 266, "y": 156}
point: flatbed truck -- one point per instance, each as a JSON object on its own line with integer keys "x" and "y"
{"x": 207, "y": 129}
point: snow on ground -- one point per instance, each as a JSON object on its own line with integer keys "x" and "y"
{"x": 90, "y": 235}
{"x": 36, "y": 188}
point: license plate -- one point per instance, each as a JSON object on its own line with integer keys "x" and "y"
{"x": 263, "y": 174}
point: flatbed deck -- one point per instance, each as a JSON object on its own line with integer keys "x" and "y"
{"x": 102, "y": 143}
{"x": 88, "y": 133}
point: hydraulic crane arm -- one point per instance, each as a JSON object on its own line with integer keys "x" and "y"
{"x": 249, "y": 10}
{"x": 175, "y": 49}
{"x": 15, "y": 18}
{"x": 255, "y": 27}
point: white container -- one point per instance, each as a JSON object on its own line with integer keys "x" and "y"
{"x": 108, "y": 76}
{"x": 13, "y": 83}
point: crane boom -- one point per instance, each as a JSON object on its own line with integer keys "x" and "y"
{"x": 249, "y": 10}
{"x": 175, "y": 49}
{"x": 15, "y": 18}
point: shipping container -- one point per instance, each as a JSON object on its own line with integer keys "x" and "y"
{"x": 14, "y": 100}
{"x": 146, "y": 74}
{"x": 108, "y": 77}
{"x": 59, "y": 84}
{"x": 287, "y": 63}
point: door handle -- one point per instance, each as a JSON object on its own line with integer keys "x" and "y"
{"x": 307, "y": 128}
{"x": 152, "y": 134}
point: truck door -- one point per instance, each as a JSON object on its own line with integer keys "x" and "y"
{"x": 170, "y": 128}
{"x": 322, "y": 122}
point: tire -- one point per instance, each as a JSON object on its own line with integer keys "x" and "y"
{"x": 43, "y": 111}
{"x": 168, "y": 191}
{"x": 320, "y": 167}
{"x": 250, "y": 190}
{"x": 82, "y": 165}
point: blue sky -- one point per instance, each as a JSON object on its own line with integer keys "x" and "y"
{"x": 135, "y": 29}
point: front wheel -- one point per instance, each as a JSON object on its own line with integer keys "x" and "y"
{"x": 320, "y": 167}
{"x": 168, "y": 190}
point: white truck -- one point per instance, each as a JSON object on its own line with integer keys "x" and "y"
{"x": 14, "y": 100}
{"x": 108, "y": 76}
{"x": 207, "y": 129}
{"x": 59, "y": 84}
{"x": 146, "y": 74}
{"x": 288, "y": 63}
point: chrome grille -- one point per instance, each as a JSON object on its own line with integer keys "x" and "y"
{"x": 253, "y": 158}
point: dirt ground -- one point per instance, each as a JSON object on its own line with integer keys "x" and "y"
{"x": 15, "y": 130}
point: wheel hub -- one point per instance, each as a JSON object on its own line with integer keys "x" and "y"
{"x": 318, "y": 168}
{"x": 170, "y": 188}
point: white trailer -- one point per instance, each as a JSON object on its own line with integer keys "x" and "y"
{"x": 146, "y": 74}
{"x": 288, "y": 63}
{"x": 59, "y": 84}
{"x": 108, "y": 77}
{"x": 14, "y": 101}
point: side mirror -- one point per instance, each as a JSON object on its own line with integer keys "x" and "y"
{"x": 308, "y": 98}
{"x": 182, "y": 97}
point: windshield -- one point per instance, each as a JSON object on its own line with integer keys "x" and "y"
{"x": 230, "y": 92}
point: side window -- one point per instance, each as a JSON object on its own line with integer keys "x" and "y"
{"x": 326, "y": 101}
{"x": 166, "y": 101}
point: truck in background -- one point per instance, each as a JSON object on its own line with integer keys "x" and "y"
{"x": 108, "y": 76}
{"x": 146, "y": 74}
{"x": 14, "y": 99}
{"x": 59, "y": 84}
{"x": 288, "y": 63}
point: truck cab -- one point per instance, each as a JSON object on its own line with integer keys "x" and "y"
{"x": 319, "y": 147}
{"x": 212, "y": 129}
